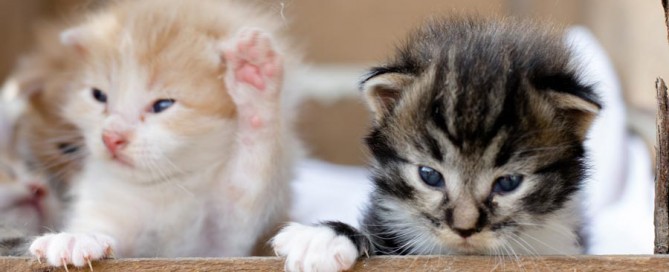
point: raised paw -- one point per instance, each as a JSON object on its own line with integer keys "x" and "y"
{"x": 314, "y": 248}
{"x": 77, "y": 249}
{"x": 252, "y": 61}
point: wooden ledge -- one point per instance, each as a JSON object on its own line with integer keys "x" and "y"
{"x": 404, "y": 263}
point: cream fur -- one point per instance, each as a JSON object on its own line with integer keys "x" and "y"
{"x": 206, "y": 177}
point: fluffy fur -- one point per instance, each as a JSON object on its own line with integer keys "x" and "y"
{"x": 42, "y": 152}
{"x": 27, "y": 205}
{"x": 480, "y": 103}
{"x": 49, "y": 143}
{"x": 205, "y": 176}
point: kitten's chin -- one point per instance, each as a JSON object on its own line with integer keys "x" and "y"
{"x": 122, "y": 161}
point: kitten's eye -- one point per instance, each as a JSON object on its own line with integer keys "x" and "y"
{"x": 162, "y": 105}
{"x": 430, "y": 176}
{"x": 507, "y": 184}
{"x": 99, "y": 96}
{"x": 67, "y": 148}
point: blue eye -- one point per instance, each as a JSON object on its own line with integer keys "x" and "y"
{"x": 162, "y": 105}
{"x": 507, "y": 184}
{"x": 99, "y": 96}
{"x": 430, "y": 176}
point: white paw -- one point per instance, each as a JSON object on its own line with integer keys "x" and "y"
{"x": 78, "y": 249}
{"x": 318, "y": 248}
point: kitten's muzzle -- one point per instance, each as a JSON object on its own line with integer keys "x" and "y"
{"x": 465, "y": 233}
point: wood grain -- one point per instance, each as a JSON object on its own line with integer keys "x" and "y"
{"x": 380, "y": 264}
{"x": 662, "y": 159}
{"x": 662, "y": 171}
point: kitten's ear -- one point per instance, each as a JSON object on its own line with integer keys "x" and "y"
{"x": 75, "y": 38}
{"x": 581, "y": 111}
{"x": 81, "y": 38}
{"x": 382, "y": 91}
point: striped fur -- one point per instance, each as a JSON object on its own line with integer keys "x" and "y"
{"x": 476, "y": 100}
{"x": 486, "y": 98}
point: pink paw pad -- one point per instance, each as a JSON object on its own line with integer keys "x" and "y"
{"x": 252, "y": 59}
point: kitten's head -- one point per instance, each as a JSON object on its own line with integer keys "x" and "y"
{"x": 152, "y": 102}
{"x": 477, "y": 134}
{"x": 44, "y": 79}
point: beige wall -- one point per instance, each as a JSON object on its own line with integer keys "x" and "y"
{"x": 634, "y": 34}
{"x": 365, "y": 31}
{"x": 14, "y": 17}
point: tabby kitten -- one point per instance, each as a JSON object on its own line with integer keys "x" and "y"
{"x": 478, "y": 149}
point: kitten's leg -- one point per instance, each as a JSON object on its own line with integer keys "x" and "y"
{"x": 78, "y": 249}
{"x": 330, "y": 246}
{"x": 258, "y": 178}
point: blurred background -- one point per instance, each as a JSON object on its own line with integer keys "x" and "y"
{"x": 341, "y": 38}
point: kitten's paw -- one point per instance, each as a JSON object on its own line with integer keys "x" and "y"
{"x": 252, "y": 61}
{"x": 78, "y": 249}
{"x": 319, "y": 248}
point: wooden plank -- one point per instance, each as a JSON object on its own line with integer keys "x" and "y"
{"x": 380, "y": 264}
{"x": 662, "y": 171}
{"x": 662, "y": 159}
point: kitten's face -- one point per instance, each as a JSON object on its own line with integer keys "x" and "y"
{"x": 153, "y": 108}
{"x": 474, "y": 148}
{"x": 55, "y": 145}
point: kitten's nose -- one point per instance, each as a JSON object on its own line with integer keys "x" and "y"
{"x": 38, "y": 190}
{"x": 114, "y": 141}
{"x": 464, "y": 233}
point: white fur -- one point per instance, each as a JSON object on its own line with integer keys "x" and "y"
{"x": 314, "y": 248}
{"x": 15, "y": 177}
{"x": 78, "y": 249}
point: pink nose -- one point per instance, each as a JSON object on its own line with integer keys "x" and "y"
{"x": 38, "y": 190}
{"x": 114, "y": 141}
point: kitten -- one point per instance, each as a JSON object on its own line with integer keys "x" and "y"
{"x": 42, "y": 152}
{"x": 190, "y": 145}
{"x": 48, "y": 142}
{"x": 478, "y": 149}
{"x": 29, "y": 205}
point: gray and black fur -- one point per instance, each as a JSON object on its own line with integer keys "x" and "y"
{"x": 484, "y": 103}
{"x": 13, "y": 242}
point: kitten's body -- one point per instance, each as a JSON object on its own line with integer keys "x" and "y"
{"x": 180, "y": 105}
{"x": 478, "y": 146}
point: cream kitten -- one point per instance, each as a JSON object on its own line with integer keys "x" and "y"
{"x": 180, "y": 106}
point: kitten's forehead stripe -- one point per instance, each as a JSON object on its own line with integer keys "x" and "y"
{"x": 392, "y": 184}
{"x": 381, "y": 148}
{"x": 433, "y": 147}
